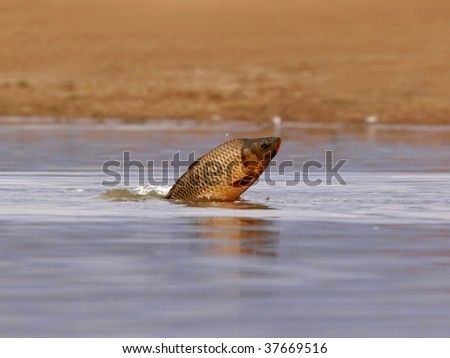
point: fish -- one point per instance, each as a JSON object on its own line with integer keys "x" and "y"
{"x": 227, "y": 171}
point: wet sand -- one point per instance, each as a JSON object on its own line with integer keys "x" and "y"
{"x": 237, "y": 59}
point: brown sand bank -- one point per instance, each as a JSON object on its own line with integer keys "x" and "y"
{"x": 304, "y": 60}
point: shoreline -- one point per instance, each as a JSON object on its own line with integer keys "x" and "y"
{"x": 180, "y": 124}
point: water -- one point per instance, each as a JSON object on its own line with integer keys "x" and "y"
{"x": 367, "y": 259}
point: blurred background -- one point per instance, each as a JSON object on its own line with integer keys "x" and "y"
{"x": 303, "y": 60}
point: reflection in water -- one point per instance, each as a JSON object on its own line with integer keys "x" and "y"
{"x": 238, "y": 236}
{"x": 239, "y": 204}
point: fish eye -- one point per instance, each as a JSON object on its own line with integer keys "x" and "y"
{"x": 264, "y": 146}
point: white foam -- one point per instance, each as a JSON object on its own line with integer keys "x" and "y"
{"x": 152, "y": 189}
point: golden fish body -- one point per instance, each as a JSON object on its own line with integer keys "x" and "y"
{"x": 227, "y": 171}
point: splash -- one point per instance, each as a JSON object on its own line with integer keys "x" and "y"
{"x": 141, "y": 193}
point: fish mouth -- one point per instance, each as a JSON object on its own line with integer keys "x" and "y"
{"x": 277, "y": 141}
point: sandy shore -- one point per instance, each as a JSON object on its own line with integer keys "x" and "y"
{"x": 241, "y": 59}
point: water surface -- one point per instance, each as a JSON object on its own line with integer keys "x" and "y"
{"x": 367, "y": 259}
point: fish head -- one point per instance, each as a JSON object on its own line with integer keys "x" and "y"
{"x": 258, "y": 152}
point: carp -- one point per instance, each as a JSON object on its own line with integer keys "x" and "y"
{"x": 227, "y": 171}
